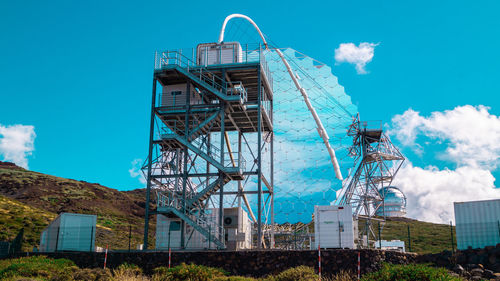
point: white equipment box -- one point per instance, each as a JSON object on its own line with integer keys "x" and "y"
{"x": 333, "y": 227}
{"x": 213, "y": 53}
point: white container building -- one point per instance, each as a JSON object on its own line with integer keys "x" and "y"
{"x": 477, "y": 223}
{"x": 393, "y": 245}
{"x": 176, "y": 95}
{"x": 224, "y": 53}
{"x": 333, "y": 227}
{"x": 237, "y": 229}
{"x": 69, "y": 232}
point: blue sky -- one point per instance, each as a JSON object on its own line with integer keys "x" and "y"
{"x": 81, "y": 72}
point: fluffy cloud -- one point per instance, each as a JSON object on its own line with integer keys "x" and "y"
{"x": 471, "y": 133}
{"x": 135, "y": 171}
{"x": 17, "y": 143}
{"x": 357, "y": 55}
{"x": 431, "y": 191}
{"x": 471, "y": 136}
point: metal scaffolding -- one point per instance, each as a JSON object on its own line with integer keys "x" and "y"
{"x": 377, "y": 161}
{"x": 211, "y": 141}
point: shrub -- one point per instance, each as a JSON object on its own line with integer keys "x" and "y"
{"x": 343, "y": 276}
{"x": 189, "y": 272}
{"x": 300, "y": 273}
{"x": 234, "y": 278}
{"x": 92, "y": 274}
{"x": 411, "y": 272}
{"x": 128, "y": 272}
{"x": 39, "y": 267}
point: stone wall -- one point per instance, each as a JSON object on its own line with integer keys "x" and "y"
{"x": 488, "y": 257}
{"x": 247, "y": 263}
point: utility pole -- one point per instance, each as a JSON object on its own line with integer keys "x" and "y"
{"x": 129, "y": 236}
{"x": 452, "y": 241}
{"x": 379, "y": 237}
{"x": 409, "y": 239}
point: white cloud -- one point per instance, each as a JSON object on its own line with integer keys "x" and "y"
{"x": 472, "y": 133}
{"x": 17, "y": 143}
{"x": 472, "y": 139}
{"x": 431, "y": 192}
{"x": 357, "y": 55}
{"x": 135, "y": 171}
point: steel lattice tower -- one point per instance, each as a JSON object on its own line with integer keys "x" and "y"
{"x": 199, "y": 140}
{"x": 377, "y": 161}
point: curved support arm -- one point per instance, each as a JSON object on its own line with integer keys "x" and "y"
{"x": 321, "y": 130}
{"x": 232, "y": 16}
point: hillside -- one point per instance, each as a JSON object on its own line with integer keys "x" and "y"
{"x": 33, "y": 199}
{"x": 425, "y": 237}
{"x": 30, "y": 200}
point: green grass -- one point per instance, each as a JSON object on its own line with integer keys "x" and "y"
{"x": 303, "y": 273}
{"x": 414, "y": 272}
{"x": 39, "y": 267}
{"x": 425, "y": 237}
{"x": 15, "y": 215}
{"x": 189, "y": 272}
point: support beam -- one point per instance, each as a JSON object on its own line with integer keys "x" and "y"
{"x": 150, "y": 161}
{"x": 259, "y": 165}
{"x": 221, "y": 195}
{"x": 268, "y": 185}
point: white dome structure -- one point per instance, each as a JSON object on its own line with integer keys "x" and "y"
{"x": 394, "y": 204}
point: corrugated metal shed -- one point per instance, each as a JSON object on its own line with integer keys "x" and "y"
{"x": 477, "y": 223}
{"x": 69, "y": 232}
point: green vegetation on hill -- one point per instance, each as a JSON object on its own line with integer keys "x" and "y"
{"x": 425, "y": 237}
{"x": 31, "y": 200}
{"x": 410, "y": 272}
{"x": 15, "y": 215}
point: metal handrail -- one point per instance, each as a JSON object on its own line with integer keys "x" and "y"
{"x": 177, "y": 58}
{"x": 237, "y": 90}
{"x": 250, "y": 54}
{"x": 239, "y": 162}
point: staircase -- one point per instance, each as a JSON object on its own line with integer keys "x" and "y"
{"x": 198, "y": 198}
{"x": 210, "y": 154}
{"x": 213, "y": 156}
{"x": 204, "y": 126}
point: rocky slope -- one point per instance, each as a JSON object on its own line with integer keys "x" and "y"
{"x": 32, "y": 196}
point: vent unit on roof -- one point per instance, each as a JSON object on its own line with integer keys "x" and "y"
{"x": 224, "y": 53}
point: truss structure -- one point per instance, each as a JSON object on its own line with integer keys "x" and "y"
{"x": 377, "y": 161}
{"x": 211, "y": 147}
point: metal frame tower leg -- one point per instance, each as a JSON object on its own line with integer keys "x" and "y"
{"x": 259, "y": 164}
{"x": 149, "y": 165}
